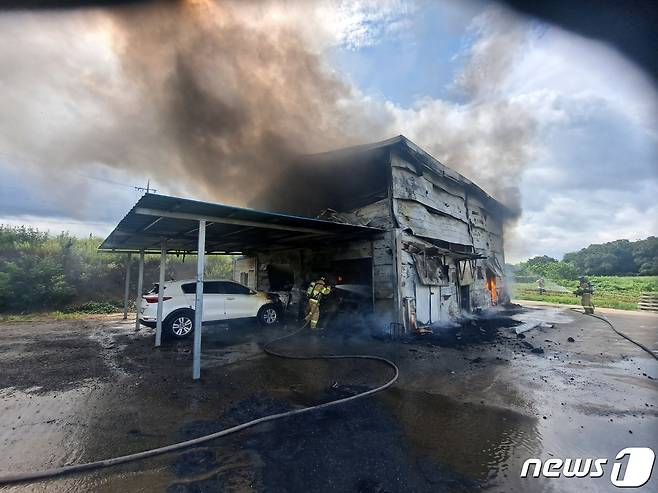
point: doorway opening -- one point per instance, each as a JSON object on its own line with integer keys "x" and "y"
{"x": 465, "y": 292}
{"x": 491, "y": 286}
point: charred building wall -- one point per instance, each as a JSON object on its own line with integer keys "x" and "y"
{"x": 450, "y": 242}
{"x": 440, "y": 250}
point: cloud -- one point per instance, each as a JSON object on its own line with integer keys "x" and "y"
{"x": 490, "y": 135}
{"x": 591, "y": 146}
{"x": 498, "y": 39}
{"x": 56, "y": 226}
{"x": 96, "y": 194}
{"x": 595, "y": 180}
{"x": 571, "y": 220}
{"x": 213, "y": 99}
{"x": 594, "y": 176}
{"x": 363, "y": 23}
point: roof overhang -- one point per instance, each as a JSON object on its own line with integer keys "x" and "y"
{"x": 433, "y": 246}
{"x": 229, "y": 229}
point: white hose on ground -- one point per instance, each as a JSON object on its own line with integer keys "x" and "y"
{"x": 60, "y": 471}
{"x": 641, "y": 346}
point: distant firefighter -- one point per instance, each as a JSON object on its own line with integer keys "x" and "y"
{"x": 585, "y": 291}
{"x": 315, "y": 292}
{"x": 541, "y": 284}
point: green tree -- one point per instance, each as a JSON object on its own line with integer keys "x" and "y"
{"x": 645, "y": 254}
{"x": 613, "y": 258}
{"x": 616, "y": 258}
{"x": 561, "y": 270}
{"x": 39, "y": 271}
{"x": 537, "y": 265}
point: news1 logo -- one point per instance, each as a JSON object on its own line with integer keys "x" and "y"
{"x": 639, "y": 465}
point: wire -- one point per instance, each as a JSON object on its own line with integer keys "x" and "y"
{"x": 60, "y": 471}
{"x": 104, "y": 180}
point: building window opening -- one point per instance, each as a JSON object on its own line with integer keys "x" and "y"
{"x": 244, "y": 278}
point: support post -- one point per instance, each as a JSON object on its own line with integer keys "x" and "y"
{"x": 198, "y": 299}
{"x": 161, "y": 280}
{"x": 398, "y": 295}
{"x": 140, "y": 288}
{"x": 126, "y": 289}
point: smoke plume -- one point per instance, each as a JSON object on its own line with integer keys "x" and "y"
{"x": 490, "y": 137}
{"x": 217, "y": 98}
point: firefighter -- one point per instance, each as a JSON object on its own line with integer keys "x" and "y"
{"x": 585, "y": 290}
{"x": 541, "y": 285}
{"x": 316, "y": 290}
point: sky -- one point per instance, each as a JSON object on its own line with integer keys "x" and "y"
{"x": 561, "y": 128}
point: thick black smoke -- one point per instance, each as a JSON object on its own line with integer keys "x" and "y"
{"x": 216, "y": 99}
{"x": 236, "y": 101}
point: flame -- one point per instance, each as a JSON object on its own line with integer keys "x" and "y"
{"x": 491, "y": 286}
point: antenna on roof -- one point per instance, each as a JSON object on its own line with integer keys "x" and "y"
{"x": 146, "y": 189}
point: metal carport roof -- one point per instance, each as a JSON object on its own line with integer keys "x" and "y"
{"x": 162, "y": 224}
{"x": 228, "y": 229}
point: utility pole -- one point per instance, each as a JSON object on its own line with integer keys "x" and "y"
{"x": 146, "y": 189}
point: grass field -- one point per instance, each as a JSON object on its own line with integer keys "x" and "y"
{"x": 609, "y": 291}
{"x": 58, "y": 315}
{"x": 89, "y": 309}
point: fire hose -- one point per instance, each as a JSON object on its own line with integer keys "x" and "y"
{"x": 641, "y": 346}
{"x": 76, "y": 468}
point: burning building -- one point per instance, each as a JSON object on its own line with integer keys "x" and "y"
{"x": 405, "y": 240}
{"x": 434, "y": 248}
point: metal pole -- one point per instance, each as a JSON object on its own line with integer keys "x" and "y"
{"x": 140, "y": 288}
{"x": 126, "y": 289}
{"x": 158, "y": 323}
{"x": 198, "y": 299}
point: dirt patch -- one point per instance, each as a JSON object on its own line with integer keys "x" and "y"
{"x": 464, "y": 415}
{"x": 57, "y": 359}
{"x": 319, "y": 447}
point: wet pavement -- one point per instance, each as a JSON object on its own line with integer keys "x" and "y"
{"x": 471, "y": 405}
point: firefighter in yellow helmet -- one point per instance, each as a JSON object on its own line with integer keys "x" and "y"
{"x": 585, "y": 290}
{"x": 316, "y": 290}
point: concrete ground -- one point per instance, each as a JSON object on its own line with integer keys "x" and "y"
{"x": 465, "y": 414}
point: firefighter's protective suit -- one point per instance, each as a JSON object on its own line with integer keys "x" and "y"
{"x": 315, "y": 292}
{"x": 541, "y": 285}
{"x": 585, "y": 290}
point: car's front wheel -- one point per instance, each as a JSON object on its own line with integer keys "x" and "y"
{"x": 180, "y": 324}
{"x": 268, "y": 315}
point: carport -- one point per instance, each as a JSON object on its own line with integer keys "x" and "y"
{"x": 161, "y": 224}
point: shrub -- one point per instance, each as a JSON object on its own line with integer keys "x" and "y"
{"x": 39, "y": 271}
{"x": 96, "y": 307}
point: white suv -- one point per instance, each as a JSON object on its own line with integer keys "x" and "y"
{"x": 222, "y": 300}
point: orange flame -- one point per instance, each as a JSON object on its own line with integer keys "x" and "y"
{"x": 491, "y": 286}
